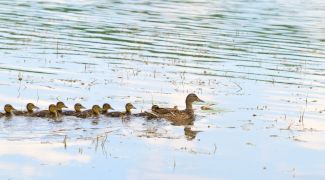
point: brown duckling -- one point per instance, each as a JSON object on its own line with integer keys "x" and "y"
{"x": 106, "y": 107}
{"x": 93, "y": 112}
{"x": 147, "y": 115}
{"x": 8, "y": 110}
{"x": 77, "y": 110}
{"x": 159, "y": 110}
{"x": 181, "y": 117}
{"x": 60, "y": 105}
{"x": 30, "y": 109}
{"x": 127, "y": 112}
{"x": 50, "y": 113}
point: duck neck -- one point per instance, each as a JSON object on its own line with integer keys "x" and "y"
{"x": 189, "y": 106}
{"x": 54, "y": 114}
{"x": 128, "y": 111}
{"x": 105, "y": 111}
{"x": 30, "y": 111}
{"x": 96, "y": 113}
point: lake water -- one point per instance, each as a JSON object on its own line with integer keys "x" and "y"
{"x": 261, "y": 63}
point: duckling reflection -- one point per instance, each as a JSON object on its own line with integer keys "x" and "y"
{"x": 189, "y": 133}
{"x": 60, "y": 105}
{"x": 106, "y": 107}
{"x": 179, "y": 117}
{"x": 30, "y": 109}
{"x": 93, "y": 112}
{"x": 77, "y": 110}
{"x": 50, "y": 113}
{"x": 127, "y": 112}
{"x": 8, "y": 108}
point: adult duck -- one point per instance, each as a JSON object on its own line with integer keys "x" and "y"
{"x": 179, "y": 117}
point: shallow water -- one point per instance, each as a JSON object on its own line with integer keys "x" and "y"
{"x": 260, "y": 62}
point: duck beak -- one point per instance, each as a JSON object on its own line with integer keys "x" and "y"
{"x": 199, "y": 100}
{"x": 133, "y": 107}
{"x": 14, "y": 109}
{"x": 65, "y": 106}
{"x": 82, "y": 107}
{"x": 112, "y": 108}
{"x": 35, "y": 107}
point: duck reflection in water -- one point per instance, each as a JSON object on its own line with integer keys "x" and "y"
{"x": 190, "y": 134}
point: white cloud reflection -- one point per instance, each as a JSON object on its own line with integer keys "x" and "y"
{"x": 44, "y": 153}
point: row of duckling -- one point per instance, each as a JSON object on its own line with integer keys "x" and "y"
{"x": 56, "y": 110}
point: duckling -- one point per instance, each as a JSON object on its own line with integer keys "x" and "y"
{"x": 127, "y": 112}
{"x": 147, "y": 114}
{"x": 156, "y": 109}
{"x": 181, "y": 117}
{"x": 159, "y": 110}
{"x": 94, "y": 111}
{"x": 50, "y": 113}
{"x": 106, "y": 107}
{"x": 8, "y": 110}
{"x": 77, "y": 110}
{"x": 30, "y": 109}
{"x": 60, "y": 105}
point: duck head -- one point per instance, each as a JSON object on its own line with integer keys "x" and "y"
{"x": 96, "y": 109}
{"x": 9, "y": 108}
{"x": 154, "y": 107}
{"x": 60, "y": 105}
{"x": 190, "y": 99}
{"x": 53, "y": 110}
{"x": 106, "y": 107}
{"x": 78, "y": 107}
{"x": 30, "y": 107}
{"x": 128, "y": 107}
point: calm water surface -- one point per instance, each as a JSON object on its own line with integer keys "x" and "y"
{"x": 261, "y": 63}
